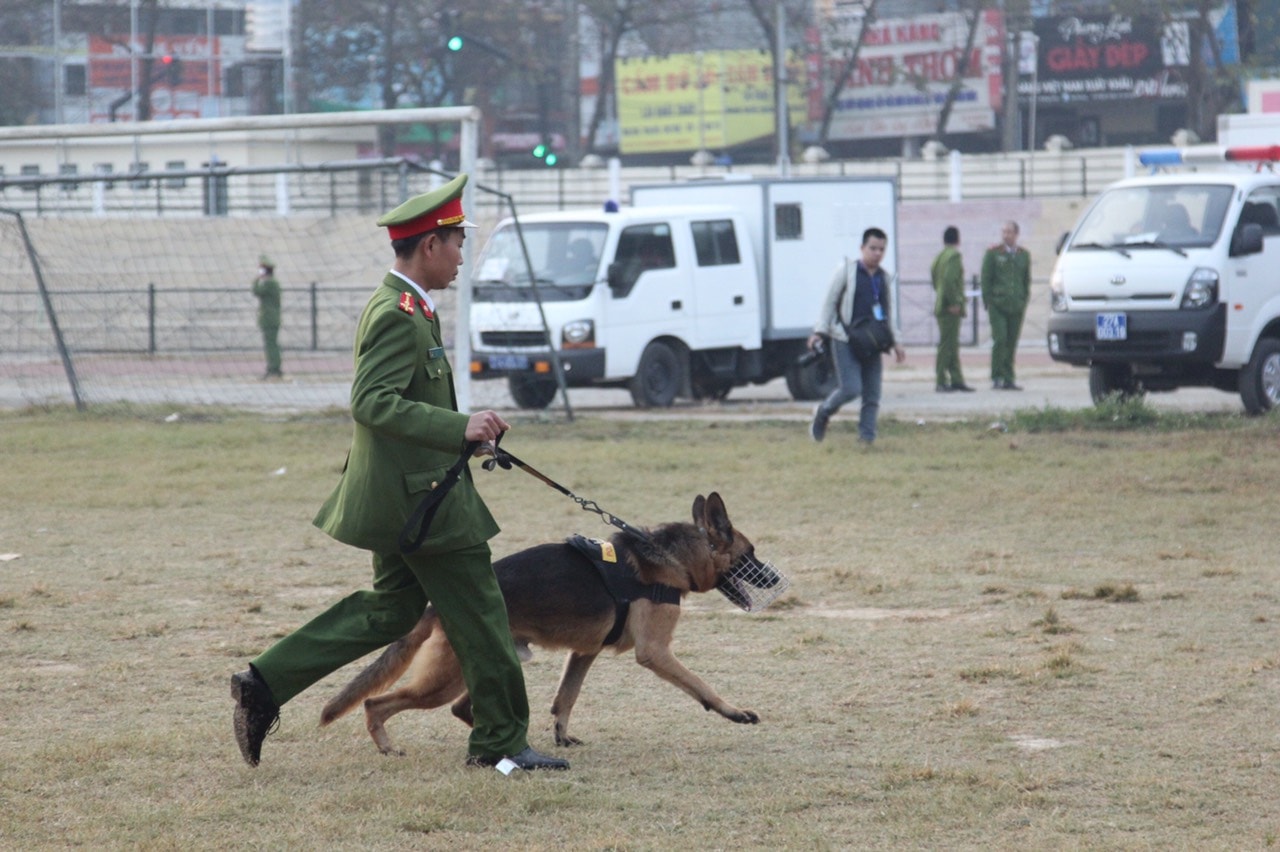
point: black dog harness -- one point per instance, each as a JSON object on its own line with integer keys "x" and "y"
{"x": 621, "y": 582}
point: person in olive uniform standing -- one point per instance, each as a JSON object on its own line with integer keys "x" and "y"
{"x": 267, "y": 289}
{"x": 1006, "y": 289}
{"x": 408, "y": 433}
{"x": 948, "y": 307}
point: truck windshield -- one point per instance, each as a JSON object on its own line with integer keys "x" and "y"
{"x": 563, "y": 254}
{"x": 1159, "y": 217}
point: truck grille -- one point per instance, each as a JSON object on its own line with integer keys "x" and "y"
{"x": 514, "y": 339}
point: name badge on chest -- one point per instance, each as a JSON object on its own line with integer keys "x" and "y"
{"x": 435, "y": 352}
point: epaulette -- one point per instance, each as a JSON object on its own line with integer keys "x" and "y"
{"x": 406, "y": 302}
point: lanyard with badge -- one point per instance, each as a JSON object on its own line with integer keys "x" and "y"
{"x": 877, "y": 309}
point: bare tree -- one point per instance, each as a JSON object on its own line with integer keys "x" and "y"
{"x": 850, "y": 49}
{"x": 973, "y": 20}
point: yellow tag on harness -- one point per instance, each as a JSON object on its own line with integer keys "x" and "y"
{"x": 607, "y": 552}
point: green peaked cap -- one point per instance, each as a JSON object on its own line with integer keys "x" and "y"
{"x": 439, "y": 208}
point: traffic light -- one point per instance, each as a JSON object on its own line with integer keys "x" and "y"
{"x": 454, "y": 43}
{"x": 543, "y": 152}
{"x": 172, "y": 66}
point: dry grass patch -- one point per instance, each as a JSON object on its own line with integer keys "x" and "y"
{"x": 900, "y": 708}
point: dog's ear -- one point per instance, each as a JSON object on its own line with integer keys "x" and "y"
{"x": 700, "y": 510}
{"x": 717, "y": 517}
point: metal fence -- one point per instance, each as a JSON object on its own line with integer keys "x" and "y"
{"x": 363, "y": 186}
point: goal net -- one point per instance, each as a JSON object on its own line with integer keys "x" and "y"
{"x": 144, "y": 310}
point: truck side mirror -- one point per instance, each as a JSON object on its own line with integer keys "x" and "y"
{"x": 621, "y": 277}
{"x": 1247, "y": 239}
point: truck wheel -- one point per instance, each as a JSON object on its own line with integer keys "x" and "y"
{"x": 1107, "y": 380}
{"x": 531, "y": 393}
{"x": 657, "y": 379}
{"x": 815, "y": 381}
{"x": 1260, "y": 378}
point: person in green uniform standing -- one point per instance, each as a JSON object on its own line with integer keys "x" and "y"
{"x": 1006, "y": 289}
{"x": 267, "y": 289}
{"x": 948, "y": 307}
{"x": 408, "y": 433}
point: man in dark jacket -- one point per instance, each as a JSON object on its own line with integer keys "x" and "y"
{"x": 857, "y": 290}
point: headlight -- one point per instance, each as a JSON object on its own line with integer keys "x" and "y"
{"x": 1201, "y": 289}
{"x": 578, "y": 334}
{"x": 1057, "y": 290}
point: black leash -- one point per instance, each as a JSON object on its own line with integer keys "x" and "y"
{"x": 419, "y": 523}
{"x": 503, "y": 459}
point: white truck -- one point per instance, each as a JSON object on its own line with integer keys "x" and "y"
{"x": 1173, "y": 279}
{"x": 695, "y": 289}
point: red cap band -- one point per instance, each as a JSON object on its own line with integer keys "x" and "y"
{"x": 449, "y": 213}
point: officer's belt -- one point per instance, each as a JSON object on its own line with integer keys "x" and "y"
{"x": 622, "y": 584}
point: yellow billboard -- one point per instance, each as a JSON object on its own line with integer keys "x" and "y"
{"x": 692, "y": 101}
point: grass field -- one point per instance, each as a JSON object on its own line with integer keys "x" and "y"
{"x": 1060, "y": 636}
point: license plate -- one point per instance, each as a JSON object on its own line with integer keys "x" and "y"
{"x": 508, "y": 362}
{"x": 1112, "y": 327}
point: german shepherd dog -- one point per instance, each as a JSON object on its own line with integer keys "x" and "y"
{"x": 556, "y": 599}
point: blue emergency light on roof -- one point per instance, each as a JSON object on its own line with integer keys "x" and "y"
{"x": 1196, "y": 154}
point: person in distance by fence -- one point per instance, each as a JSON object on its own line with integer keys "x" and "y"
{"x": 267, "y": 289}
{"x": 407, "y": 435}
{"x": 947, "y": 273}
{"x": 1006, "y": 289}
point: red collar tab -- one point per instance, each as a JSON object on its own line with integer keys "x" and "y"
{"x": 426, "y": 312}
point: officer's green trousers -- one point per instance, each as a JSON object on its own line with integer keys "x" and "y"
{"x": 271, "y": 347}
{"x": 1005, "y": 328}
{"x": 462, "y": 588}
{"x": 947, "y": 366}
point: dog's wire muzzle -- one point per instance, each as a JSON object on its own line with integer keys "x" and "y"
{"x": 752, "y": 585}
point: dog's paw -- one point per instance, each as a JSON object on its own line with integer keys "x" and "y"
{"x": 563, "y": 739}
{"x": 744, "y": 717}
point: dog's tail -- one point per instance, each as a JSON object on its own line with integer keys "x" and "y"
{"x": 382, "y": 672}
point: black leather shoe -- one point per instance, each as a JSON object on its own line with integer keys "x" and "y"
{"x": 257, "y": 713}
{"x": 527, "y": 760}
{"x": 943, "y": 388}
{"x": 1008, "y": 385}
{"x": 964, "y": 388}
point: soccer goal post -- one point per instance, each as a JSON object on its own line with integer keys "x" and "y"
{"x": 121, "y": 293}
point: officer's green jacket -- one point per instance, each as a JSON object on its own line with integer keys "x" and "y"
{"x": 948, "y": 282}
{"x": 1006, "y": 278}
{"x": 268, "y": 292}
{"x": 407, "y": 434}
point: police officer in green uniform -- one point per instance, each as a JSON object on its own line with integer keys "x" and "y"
{"x": 1006, "y": 288}
{"x": 408, "y": 433}
{"x": 267, "y": 289}
{"x": 947, "y": 273}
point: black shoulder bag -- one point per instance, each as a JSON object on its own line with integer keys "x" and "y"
{"x": 869, "y": 335}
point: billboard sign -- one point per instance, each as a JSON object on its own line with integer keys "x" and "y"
{"x": 1106, "y": 57}
{"x": 904, "y": 70}
{"x": 711, "y": 100}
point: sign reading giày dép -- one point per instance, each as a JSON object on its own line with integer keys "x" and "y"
{"x": 1107, "y": 57}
